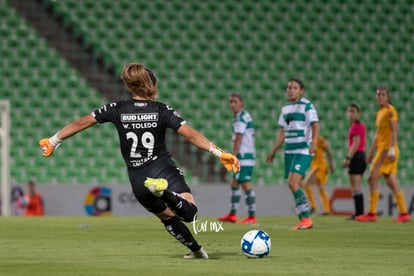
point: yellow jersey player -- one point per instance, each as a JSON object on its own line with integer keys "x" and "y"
{"x": 385, "y": 162}
{"x": 318, "y": 175}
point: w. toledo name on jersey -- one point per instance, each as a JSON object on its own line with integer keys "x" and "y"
{"x": 140, "y": 120}
{"x": 141, "y": 128}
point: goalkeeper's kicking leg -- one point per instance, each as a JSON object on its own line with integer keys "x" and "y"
{"x": 167, "y": 195}
{"x": 182, "y": 204}
{"x": 180, "y": 231}
{"x": 181, "y": 207}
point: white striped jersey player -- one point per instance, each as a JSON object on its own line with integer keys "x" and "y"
{"x": 295, "y": 119}
{"x": 243, "y": 124}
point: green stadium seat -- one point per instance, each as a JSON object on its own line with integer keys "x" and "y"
{"x": 199, "y": 49}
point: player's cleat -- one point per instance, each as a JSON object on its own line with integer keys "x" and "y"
{"x": 248, "y": 220}
{"x": 228, "y": 218}
{"x": 200, "y": 254}
{"x": 403, "y": 218}
{"x": 156, "y": 186}
{"x": 368, "y": 217}
{"x": 304, "y": 223}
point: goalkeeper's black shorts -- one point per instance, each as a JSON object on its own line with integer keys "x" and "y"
{"x": 161, "y": 168}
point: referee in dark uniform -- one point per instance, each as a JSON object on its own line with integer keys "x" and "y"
{"x": 156, "y": 181}
{"x": 355, "y": 159}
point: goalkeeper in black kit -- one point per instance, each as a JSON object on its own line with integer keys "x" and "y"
{"x": 156, "y": 181}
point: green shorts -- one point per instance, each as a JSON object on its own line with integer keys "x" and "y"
{"x": 297, "y": 163}
{"x": 244, "y": 175}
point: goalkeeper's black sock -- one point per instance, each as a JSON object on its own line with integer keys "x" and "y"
{"x": 184, "y": 209}
{"x": 178, "y": 230}
{"x": 358, "y": 202}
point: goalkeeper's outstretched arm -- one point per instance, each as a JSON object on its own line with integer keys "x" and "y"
{"x": 76, "y": 126}
{"x": 229, "y": 161}
{"x": 194, "y": 137}
{"x": 48, "y": 145}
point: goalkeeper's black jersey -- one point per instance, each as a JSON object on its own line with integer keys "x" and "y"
{"x": 141, "y": 128}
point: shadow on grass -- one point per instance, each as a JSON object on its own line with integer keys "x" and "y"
{"x": 225, "y": 254}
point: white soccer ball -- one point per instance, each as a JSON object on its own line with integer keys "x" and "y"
{"x": 256, "y": 244}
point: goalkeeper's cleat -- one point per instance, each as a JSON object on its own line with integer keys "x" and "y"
{"x": 248, "y": 220}
{"x": 368, "y": 217}
{"x": 228, "y": 218}
{"x": 304, "y": 223}
{"x": 199, "y": 254}
{"x": 156, "y": 186}
{"x": 403, "y": 218}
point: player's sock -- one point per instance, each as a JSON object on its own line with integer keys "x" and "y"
{"x": 358, "y": 202}
{"x": 235, "y": 199}
{"x": 400, "y": 199}
{"x": 302, "y": 206}
{"x": 184, "y": 209}
{"x": 311, "y": 197}
{"x": 326, "y": 206}
{"x": 373, "y": 201}
{"x": 251, "y": 202}
{"x": 178, "y": 230}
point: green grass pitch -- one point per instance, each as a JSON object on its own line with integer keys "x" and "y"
{"x": 141, "y": 246}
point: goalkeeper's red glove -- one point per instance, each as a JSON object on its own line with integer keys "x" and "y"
{"x": 48, "y": 145}
{"x": 229, "y": 161}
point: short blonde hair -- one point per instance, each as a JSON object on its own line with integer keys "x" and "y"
{"x": 140, "y": 80}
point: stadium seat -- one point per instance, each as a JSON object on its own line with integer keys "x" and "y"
{"x": 204, "y": 51}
